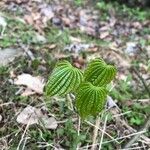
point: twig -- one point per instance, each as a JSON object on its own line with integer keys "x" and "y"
{"x": 46, "y": 145}
{"x": 25, "y": 141}
{"x": 134, "y": 148}
{"x": 135, "y": 138}
{"x": 79, "y": 124}
{"x": 6, "y": 104}
{"x": 87, "y": 146}
{"x": 142, "y": 100}
{"x": 121, "y": 114}
{"x": 141, "y": 132}
{"x": 22, "y": 137}
{"x": 100, "y": 145}
{"x": 27, "y": 51}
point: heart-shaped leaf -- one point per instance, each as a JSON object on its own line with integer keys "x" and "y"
{"x": 99, "y": 73}
{"x": 64, "y": 79}
{"x": 90, "y": 100}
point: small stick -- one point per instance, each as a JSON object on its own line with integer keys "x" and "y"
{"x": 121, "y": 114}
{"x": 125, "y": 136}
{"x": 22, "y": 137}
{"x": 134, "y": 148}
{"x": 27, "y": 51}
{"x": 79, "y": 124}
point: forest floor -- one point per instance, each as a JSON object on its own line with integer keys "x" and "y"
{"x": 34, "y": 36}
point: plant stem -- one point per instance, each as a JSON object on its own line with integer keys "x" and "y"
{"x": 95, "y": 133}
{"x": 70, "y": 105}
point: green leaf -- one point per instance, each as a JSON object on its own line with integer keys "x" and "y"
{"x": 64, "y": 79}
{"x": 106, "y": 76}
{"x": 99, "y": 73}
{"x": 90, "y": 100}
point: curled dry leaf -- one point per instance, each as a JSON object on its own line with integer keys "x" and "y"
{"x": 34, "y": 83}
{"x": 31, "y": 115}
{"x": 103, "y": 35}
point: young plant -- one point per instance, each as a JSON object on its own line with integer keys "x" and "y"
{"x": 89, "y": 86}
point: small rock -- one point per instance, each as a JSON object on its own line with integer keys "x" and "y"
{"x": 56, "y": 21}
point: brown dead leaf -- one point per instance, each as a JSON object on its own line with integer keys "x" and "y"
{"x": 28, "y": 92}
{"x": 75, "y": 39}
{"x": 104, "y": 28}
{"x": 49, "y": 122}
{"x": 34, "y": 83}
{"x": 137, "y": 25}
{"x": 52, "y": 46}
{"x": 103, "y": 35}
{"x": 31, "y": 115}
{"x": 66, "y": 21}
{"x": 29, "y": 19}
{"x": 93, "y": 49}
{"x": 36, "y": 16}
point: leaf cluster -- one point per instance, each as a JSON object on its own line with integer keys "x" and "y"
{"x": 89, "y": 86}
